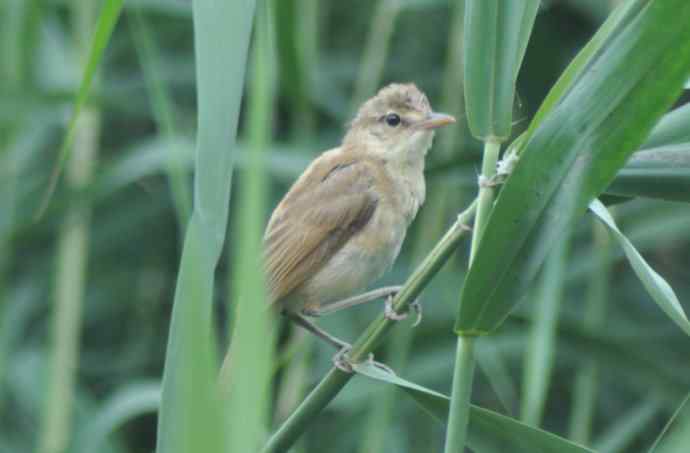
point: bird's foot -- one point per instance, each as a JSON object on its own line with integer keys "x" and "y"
{"x": 390, "y": 313}
{"x": 342, "y": 362}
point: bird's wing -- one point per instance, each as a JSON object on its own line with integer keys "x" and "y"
{"x": 315, "y": 220}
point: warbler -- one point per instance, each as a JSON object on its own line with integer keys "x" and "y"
{"x": 341, "y": 225}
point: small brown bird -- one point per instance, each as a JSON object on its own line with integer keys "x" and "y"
{"x": 341, "y": 225}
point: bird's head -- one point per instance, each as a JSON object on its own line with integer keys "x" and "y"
{"x": 397, "y": 123}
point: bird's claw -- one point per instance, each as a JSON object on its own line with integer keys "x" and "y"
{"x": 391, "y": 314}
{"x": 417, "y": 307}
{"x": 341, "y": 361}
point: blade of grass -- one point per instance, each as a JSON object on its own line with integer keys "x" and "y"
{"x": 503, "y": 433}
{"x": 131, "y": 401}
{"x": 586, "y": 381}
{"x": 164, "y": 115}
{"x": 673, "y": 128}
{"x": 662, "y": 173}
{"x": 627, "y": 427}
{"x": 106, "y": 23}
{"x": 375, "y": 51}
{"x": 656, "y": 286}
{"x": 248, "y": 380}
{"x": 572, "y": 157}
{"x": 496, "y": 36}
{"x": 71, "y": 265}
{"x": 539, "y": 360}
{"x": 674, "y": 439}
{"x": 191, "y": 416}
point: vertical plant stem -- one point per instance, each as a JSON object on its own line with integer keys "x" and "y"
{"x": 12, "y": 75}
{"x": 585, "y": 392}
{"x": 486, "y": 193}
{"x": 375, "y": 51}
{"x": 307, "y": 39}
{"x": 459, "y": 413}
{"x": 164, "y": 115}
{"x": 463, "y": 374}
{"x": 542, "y": 342}
{"x": 71, "y": 265}
{"x": 293, "y": 386}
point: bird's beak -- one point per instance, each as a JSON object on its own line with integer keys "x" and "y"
{"x": 435, "y": 120}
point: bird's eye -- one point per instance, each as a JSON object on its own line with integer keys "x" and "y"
{"x": 392, "y": 119}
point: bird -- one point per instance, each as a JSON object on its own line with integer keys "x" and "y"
{"x": 341, "y": 225}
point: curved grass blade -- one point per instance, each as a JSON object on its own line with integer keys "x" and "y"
{"x": 673, "y": 128}
{"x": 192, "y": 417}
{"x": 677, "y": 440}
{"x": 620, "y": 18}
{"x": 626, "y": 428}
{"x": 656, "y": 286}
{"x": 248, "y": 366}
{"x": 573, "y": 155}
{"x": 662, "y": 173}
{"x": 496, "y": 35}
{"x": 128, "y": 403}
{"x": 104, "y": 28}
{"x": 485, "y": 426}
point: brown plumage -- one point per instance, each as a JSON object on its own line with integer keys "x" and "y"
{"x": 342, "y": 223}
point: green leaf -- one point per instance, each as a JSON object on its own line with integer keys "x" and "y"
{"x": 662, "y": 173}
{"x": 128, "y": 403}
{"x": 192, "y": 416}
{"x": 627, "y": 427}
{"x": 674, "y": 128}
{"x": 485, "y": 427}
{"x": 106, "y": 23}
{"x": 620, "y": 17}
{"x": 496, "y": 35}
{"x": 248, "y": 367}
{"x": 674, "y": 437}
{"x": 573, "y": 155}
{"x": 656, "y": 286}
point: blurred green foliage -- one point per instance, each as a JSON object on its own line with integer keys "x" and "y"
{"x": 145, "y": 99}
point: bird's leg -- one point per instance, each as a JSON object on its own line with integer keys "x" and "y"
{"x": 316, "y": 330}
{"x": 340, "y": 359}
{"x": 391, "y": 314}
{"x": 380, "y": 293}
{"x": 387, "y": 293}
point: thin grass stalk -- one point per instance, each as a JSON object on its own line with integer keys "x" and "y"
{"x": 251, "y": 350}
{"x": 625, "y": 429}
{"x": 586, "y": 380}
{"x": 375, "y": 51}
{"x": 463, "y": 374}
{"x": 336, "y": 379}
{"x": 163, "y": 114}
{"x": 453, "y": 97}
{"x": 12, "y": 72}
{"x": 307, "y": 39}
{"x": 539, "y": 360}
{"x": 71, "y": 265}
{"x": 296, "y": 374}
{"x": 293, "y": 386}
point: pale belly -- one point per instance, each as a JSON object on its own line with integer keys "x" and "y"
{"x": 362, "y": 261}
